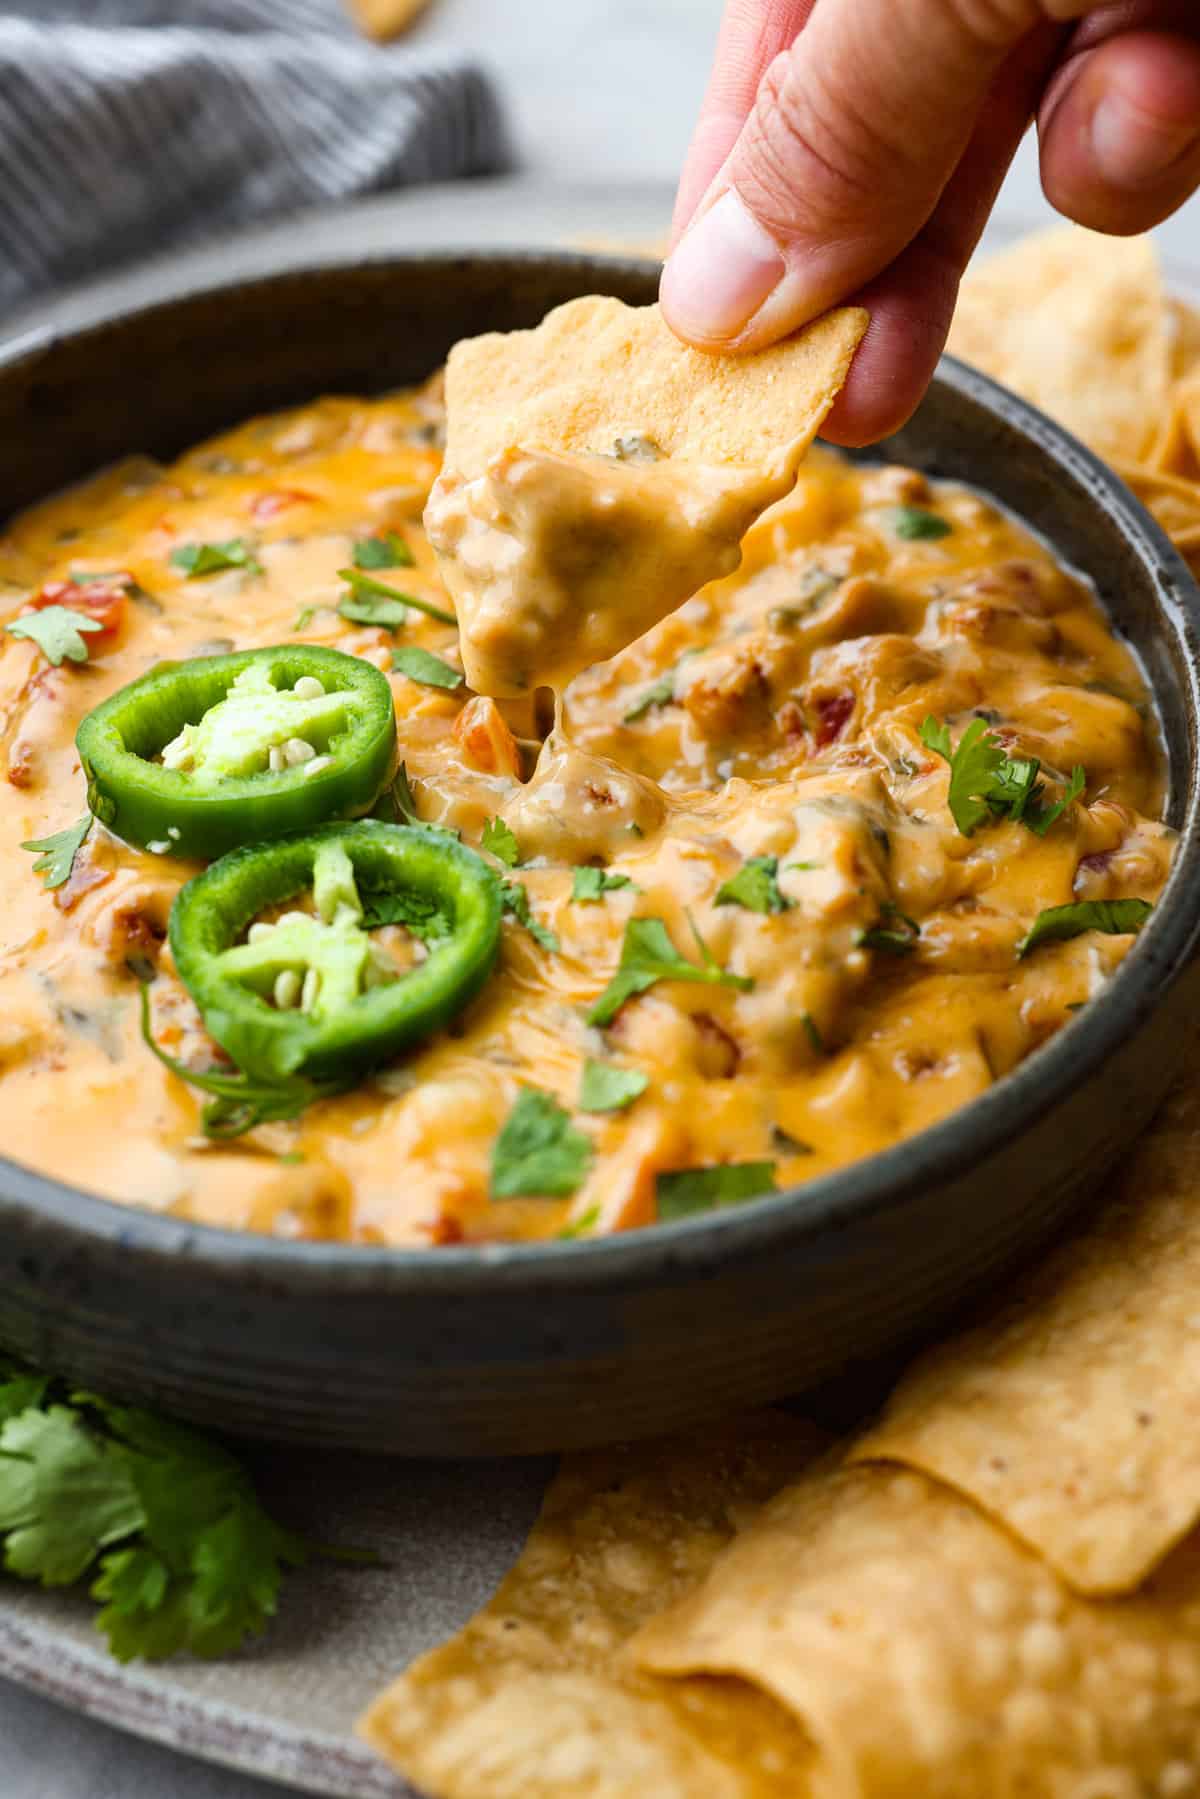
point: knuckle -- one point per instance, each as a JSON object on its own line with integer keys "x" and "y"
{"x": 807, "y": 160}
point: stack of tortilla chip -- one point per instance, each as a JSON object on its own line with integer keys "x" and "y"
{"x": 993, "y": 1593}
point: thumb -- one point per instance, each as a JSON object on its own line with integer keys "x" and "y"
{"x": 854, "y": 133}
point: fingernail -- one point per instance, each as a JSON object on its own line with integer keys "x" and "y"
{"x": 720, "y": 273}
{"x": 1132, "y": 148}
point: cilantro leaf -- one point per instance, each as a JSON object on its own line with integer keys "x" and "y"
{"x": 373, "y": 609}
{"x": 57, "y": 632}
{"x": 915, "y": 523}
{"x": 416, "y": 912}
{"x": 62, "y": 1496}
{"x": 755, "y": 886}
{"x": 199, "y": 559}
{"x": 647, "y": 956}
{"x": 896, "y": 932}
{"x": 56, "y": 855}
{"x": 423, "y": 666}
{"x": 1039, "y": 818}
{"x": 812, "y": 1032}
{"x": 606, "y": 1088}
{"x": 659, "y": 693}
{"x": 1057, "y": 923}
{"x": 581, "y": 1226}
{"x": 387, "y": 550}
{"x": 240, "y": 1104}
{"x": 361, "y": 585}
{"x": 516, "y": 903}
{"x": 539, "y": 1152}
{"x": 499, "y": 841}
{"x": 589, "y": 885}
{"x": 986, "y": 782}
{"x": 681, "y": 1192}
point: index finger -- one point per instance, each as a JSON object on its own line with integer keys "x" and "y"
{"x": 752, "y": 33}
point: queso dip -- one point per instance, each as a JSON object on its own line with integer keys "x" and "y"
{"x": 768, "y": 789}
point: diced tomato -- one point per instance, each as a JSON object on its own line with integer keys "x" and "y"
{"x": 832, "y": 717}
{"x": 269, "y": 505}
{"x": 106, "y": 600}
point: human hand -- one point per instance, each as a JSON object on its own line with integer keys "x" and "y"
{"x": 853, "y": 149}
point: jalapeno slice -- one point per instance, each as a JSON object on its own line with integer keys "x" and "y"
{"x": 198, "y": 757}
{"x": 311, "y": 994}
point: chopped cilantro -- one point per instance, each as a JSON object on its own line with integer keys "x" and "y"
{"x": 581, "y": 1226}
{"x": 539, "y": 1152}
{"x": 812, "y": 1032}
{"x": 56, "y": 855}
{"x": 516, "y": 902}
{"x": 57, "y": 631}
{"x": 985, "y": 782}
{"x": 373, "y": 609}
{"x": 589, "y": 885}
{"x": 387, "y": 550}
{"x": 755, "y": 886}
{"x": 1113, "y": 917}
{"x": 681, "y": 1192}
{"x": 896, "y": 932}
{"x": 499, "y": 841}
{"x": 606, "y": 1088}
{"x": 659, "y": 693}
{"x": 422, "y": 666}
{"x": 422, "y": 916}
{"x": 304, "y": 618}
{"x": 647, "y": 956}
{"x": 914, "y": 524}
{"x": 166, "y": 1521}
{"x": 199, "y": 559}
{"x": 364, "y": 585}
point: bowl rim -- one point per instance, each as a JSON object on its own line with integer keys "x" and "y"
{"x": 876, "y": 1184}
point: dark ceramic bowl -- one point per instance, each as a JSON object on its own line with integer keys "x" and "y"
{"x": 474, "y": 1351}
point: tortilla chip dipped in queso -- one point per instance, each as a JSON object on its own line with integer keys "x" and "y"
{"x": 598, "y": 473}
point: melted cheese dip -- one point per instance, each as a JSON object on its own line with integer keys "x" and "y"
{"x": 776, "y": 714}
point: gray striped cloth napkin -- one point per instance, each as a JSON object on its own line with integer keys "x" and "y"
{"x": 130, "y": 125}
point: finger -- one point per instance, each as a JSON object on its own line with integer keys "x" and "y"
{"x": 1120, "y": 133}
{"x": 912, "y": 302}
{"x": 843, "y": 159}
{"x": 752, "y": 34}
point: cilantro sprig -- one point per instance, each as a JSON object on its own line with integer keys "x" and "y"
{"x": 649, "y": 956}
{"x": 1058, "y": 923}
{"x": 239, "y": 1104}
{"x": 200, "y": 559}
{"x": 181, "y": 1553}
{"x": 589, "y": 885}
{"x": 986, "y": 782}
{"x": 58, "y": 632}
{"x": 386, "y": 550}
{"x": 755, "y": 887}
{"x": 539, "y": 1153}
{"x": 425, "y": 668}
{"x": 499, "y": 840}
{"x": 56, "y": 854}
{"x": 682, "y": 1192}
{"x": 365, "y": 586}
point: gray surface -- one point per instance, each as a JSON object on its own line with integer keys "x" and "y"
{"x": 602, "y": 91}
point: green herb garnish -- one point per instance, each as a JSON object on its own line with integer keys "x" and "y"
{"x": 56, "y": 855}
{"x": 539, "y": 1152}
{"x": 516, "y": 902}
{"x": 1057, "y": 923}
{"x": 986, "y": 782}
{"x": 681, "y": 1192}
{"x": 648, "y": 956}
{"x": 755, "y": 886}
{"x": 499, "y": 841}
{"x": 199, "y": 559}
{"x": 659, "y": 693}
{"x": 57, "y": 631}
{"x": 589, "y": 885}
{"x": 606, "y": 1088}
{"x": 915, "y": 524}
{"x": 387, "y": 550}
{"x": 373, "y": 609}
{"x": 366, "y": 585}
{"x": 581, "y": 1226}
{"x": 896, "y": 932}
{"x": 428, "y": 669}
{"x": 812, "y": 1032}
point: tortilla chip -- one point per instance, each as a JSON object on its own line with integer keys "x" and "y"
{"x": 532, "y": 1700}
{"x": 931, "y": 1657}
{"x": 1183, "y": 322}
{"x": 596, "y": 370}
{"x": 1078, "y": 324}
{"x": 1174, "y": 502}
{"x": 1176, "y": 450}
{"x": 1072, "y": 1414}
{"x": 385, "y": 19}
